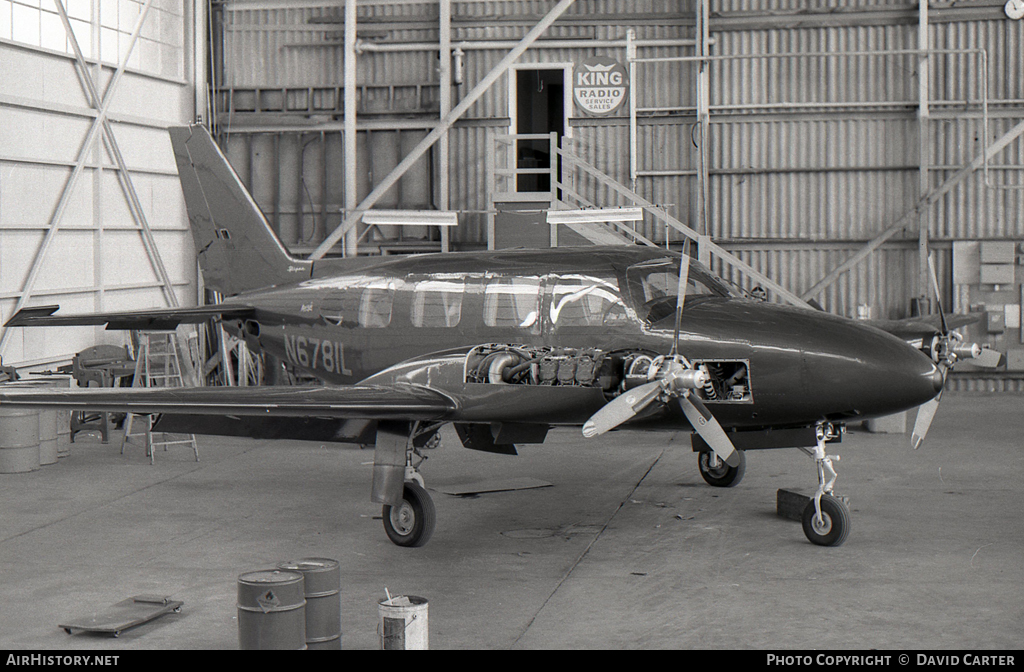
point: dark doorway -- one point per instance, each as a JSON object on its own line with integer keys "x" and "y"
{"x": 540, "y": 108}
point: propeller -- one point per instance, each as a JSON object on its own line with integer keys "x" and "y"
{"x": 946, "y": 349}
{"x": 671, "y": 377}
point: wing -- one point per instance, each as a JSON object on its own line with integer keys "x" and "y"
{"x": 368, "y": 402}
{"x": 920, "y": 327}
{"x": 153, "y": 319}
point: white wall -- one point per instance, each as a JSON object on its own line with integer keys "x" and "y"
{"x": 95, "y": 259}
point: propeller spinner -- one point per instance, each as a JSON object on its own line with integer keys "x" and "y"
{"x": 946, "y": 349}
{"x": 671, "y": 377}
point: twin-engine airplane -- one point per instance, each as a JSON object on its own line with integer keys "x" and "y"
{"x": 506, "y": 345}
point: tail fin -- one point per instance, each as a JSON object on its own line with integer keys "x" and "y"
{"x": 237, "y": 249}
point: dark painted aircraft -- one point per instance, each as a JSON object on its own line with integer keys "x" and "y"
{"x": 505, "y": 346}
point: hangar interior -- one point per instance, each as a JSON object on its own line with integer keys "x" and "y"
{"x": 820, "y": 150}
{"x": 825, "y": 148}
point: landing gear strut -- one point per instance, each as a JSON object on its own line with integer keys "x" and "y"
{"x": 826, "y": 519}
{"x": 408, "y": 512}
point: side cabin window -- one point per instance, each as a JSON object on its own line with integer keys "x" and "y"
{"x": 586, "y": 301}
{"x": 512, "y": 303}
{"x": 354, "y": 300}
{"x": 376, "y": 302}
{"x": 437, "y": 303}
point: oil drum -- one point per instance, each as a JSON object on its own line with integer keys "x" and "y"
{"x": 323, "y": 601}
{"x": 271, "y": 610}
{"x": 19, "y": 440}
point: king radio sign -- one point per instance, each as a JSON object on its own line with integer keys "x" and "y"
{"x": 600, "y": 85}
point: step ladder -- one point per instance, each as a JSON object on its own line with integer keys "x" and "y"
{"x": 157, "y": 365}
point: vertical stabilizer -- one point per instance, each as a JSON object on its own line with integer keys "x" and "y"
{"x": 237, "y": 249}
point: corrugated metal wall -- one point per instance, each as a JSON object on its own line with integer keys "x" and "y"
{"x": 809, "y": 157}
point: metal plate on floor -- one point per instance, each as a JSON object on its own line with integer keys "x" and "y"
{"x": 492, "y": 485}
{"x": 124, "y": 615}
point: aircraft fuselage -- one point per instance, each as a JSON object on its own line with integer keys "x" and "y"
{"x": 415, "y": 320}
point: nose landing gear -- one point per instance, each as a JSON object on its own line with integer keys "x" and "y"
{"x": 826, "y": 520}
{"x": 719, "y": 474}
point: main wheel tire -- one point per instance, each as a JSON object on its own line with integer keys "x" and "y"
{"x": 834, "y": 527}
{"x": 722, "y": 476}
{"x": 412, "y": 522}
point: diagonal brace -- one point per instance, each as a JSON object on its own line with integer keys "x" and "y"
{"x": 83, "y": 153}
{"x": 926, "y": 201}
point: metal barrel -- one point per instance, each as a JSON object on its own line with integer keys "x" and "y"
{"x": 47, "y": 436}
{"x": 323, "y": 601}
{"x": 63, "y": 418}
{"x": 271, "y": 610}
{"x": 19, "y": 440}
{"x": 49, "y": 421}
{"x": 403, "y": 623}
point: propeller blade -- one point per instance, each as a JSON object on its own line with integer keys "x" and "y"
{"x": 622, "y": 408}
{"x": 708, "y": 428}
{"x": 684, "y": 278}
{"x": 925, "y": 414}
{"x": 938, "y": 296}
{"x": 989, "y": 358}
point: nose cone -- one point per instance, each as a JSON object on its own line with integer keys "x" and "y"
{"x": 870, "y": 371}
{"x": 807, "y": 365}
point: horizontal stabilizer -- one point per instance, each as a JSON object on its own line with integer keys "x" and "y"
{"x": 152, "y": 320}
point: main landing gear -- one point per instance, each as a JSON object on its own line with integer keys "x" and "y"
{"x": 412, "y": 522}
{"x": 826, "y": 518}
{"x": 408, "y": 514}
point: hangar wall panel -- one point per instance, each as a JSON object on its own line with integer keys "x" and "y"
{"x": 815, "y": 150}
{"x": 95, "y": 259}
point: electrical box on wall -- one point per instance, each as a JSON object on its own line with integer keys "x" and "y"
{"x": 986, "y": 283}
{"x": 995, "y": 322}
{"x": 997, "y": 274}
{"x": 998, "y": 252}
{"x": 1015, "y": 360}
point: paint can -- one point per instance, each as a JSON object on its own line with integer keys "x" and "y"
{"x": 403, "y": 623}
{"x": 322, "y": 580}
{"x": 271, "y": 610}
{"x": 19, "y": 440}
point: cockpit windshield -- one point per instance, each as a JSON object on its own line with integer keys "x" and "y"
{"x": 654, "y": 285}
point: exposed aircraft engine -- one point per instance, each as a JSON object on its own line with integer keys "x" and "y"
{"x": 527, "y": 365}
{"x": 614, "y": 372}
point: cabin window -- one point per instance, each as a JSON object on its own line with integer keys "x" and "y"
{"x": 585, "y": 301}
{"x": 376, "y": 303}
{"x": 437, "y": 303}
{"x": 512, "y": 303}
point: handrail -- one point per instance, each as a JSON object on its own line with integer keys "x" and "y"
{"x": 702, "y": 241}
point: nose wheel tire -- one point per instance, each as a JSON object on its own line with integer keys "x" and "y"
{"x": 412, "y": 522}
{"x": 834, "y": 525}
{"x": 721, "y": 476}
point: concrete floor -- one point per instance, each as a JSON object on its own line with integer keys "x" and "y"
{"x": 628, "y": 549}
